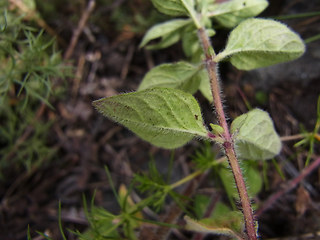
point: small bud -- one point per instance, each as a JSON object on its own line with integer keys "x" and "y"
{"x": 216, "y": 129}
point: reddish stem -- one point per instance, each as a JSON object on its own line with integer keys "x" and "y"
{"x": 228, "y": 144}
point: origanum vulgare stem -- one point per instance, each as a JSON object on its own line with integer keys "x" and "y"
{"x": 228, "y": 144}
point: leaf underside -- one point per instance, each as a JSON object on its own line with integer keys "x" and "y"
{"x": 256, "y": 43}
{"x": 255, "y": 136}
{"x": 167, "y": 118}
{"x": 180, "y": 75}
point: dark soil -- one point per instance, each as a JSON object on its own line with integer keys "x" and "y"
{"x": 108, "y": 62}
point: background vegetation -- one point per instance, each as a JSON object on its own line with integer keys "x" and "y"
{"x": 57, "y": 57}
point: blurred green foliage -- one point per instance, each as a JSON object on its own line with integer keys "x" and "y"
{"x": 29, "y": 63}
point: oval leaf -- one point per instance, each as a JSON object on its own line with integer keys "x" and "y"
{"x": 167, "y": 118}
{"x": 178, "y": 75}
{"x": 230, "y": 13}
{"x": 255, "y": 136}
{"x": 258, "y": 43}
{"x": 170, "y": 7}
{"x": 164, "y": 30}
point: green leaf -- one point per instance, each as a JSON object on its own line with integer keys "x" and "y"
{"x": 224, "y": 216}
{"x": 167, "y": 118}
{"x": 166, "y": 41}
{"x": 174, "y": 75}
{"x": 212, "y": 226}
{"x": 253, "y": 178}
{"x": 103, "y": 224}
{"x": 190, "y": 41}
{"x": 255, "y": 137}
{"x": 201, "y": 203}
{"x": 170, "y": 7}
{"x": 205, "y": 87}
{"x": 164, "y": 30}
{"x": 230, "y": 13}
{"x": 127, "y": 205}
{"x": 256, "y": 43}
{"x": 251, "y": 174}
{"x": 190, "y": 7}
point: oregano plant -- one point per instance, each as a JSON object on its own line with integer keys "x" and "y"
{"x": 163, "y": 110}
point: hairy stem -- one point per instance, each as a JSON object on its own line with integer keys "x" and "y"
{"x": 228, "y": 144}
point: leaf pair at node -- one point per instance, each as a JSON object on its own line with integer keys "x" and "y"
{"x": 254, "y": 43}
{"x": 163, "y": 111}
{"x": 170, "y": 118}
{"x": 227, "y": 13}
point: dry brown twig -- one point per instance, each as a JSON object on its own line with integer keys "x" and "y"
{"x": 290, "y": 185}
{"x": 77, "y": 32}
